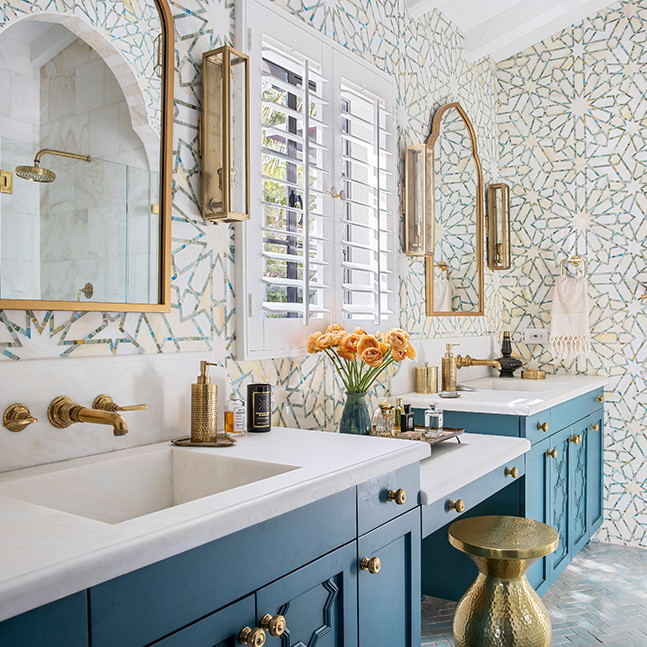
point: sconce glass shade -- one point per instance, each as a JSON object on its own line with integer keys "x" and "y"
{"x": 224, "y": 131}
{"x": 498, "y": 226}
{"x": 418, "y": 204}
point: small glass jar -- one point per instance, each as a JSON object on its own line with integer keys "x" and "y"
{"x": 383, "y": 420}
{"x": 434, "y": 420}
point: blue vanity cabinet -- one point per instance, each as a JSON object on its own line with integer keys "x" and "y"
{"x": 389, "y": 601}
{"x": 593, "y": 428}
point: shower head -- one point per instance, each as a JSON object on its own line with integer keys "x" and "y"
{"x": 36, "y": 173}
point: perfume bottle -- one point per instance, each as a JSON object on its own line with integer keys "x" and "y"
{"x": 235, "y": 419}
{"x": 384, "y": 420}
{"x": 434, "y": 420}
{"x": 407, "y": 419}
{"x": 397, "y": 412}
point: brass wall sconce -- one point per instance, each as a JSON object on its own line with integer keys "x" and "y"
{"x": 418, "y": 200}
{"x": 498, "y": 226}
{"x": 224, "y": 135}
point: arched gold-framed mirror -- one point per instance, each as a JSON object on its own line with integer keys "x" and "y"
{"x": 454, "y": 276}
{"x": 86, "y": 224}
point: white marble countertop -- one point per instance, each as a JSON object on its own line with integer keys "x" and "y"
{"x": 512, "y": 396}
{"x": 46, "y": 554}
{"x": 452, "y": 465}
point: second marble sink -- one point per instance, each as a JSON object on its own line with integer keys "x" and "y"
{"x": 114, "y": 488}
{"x": 516, "y": 384}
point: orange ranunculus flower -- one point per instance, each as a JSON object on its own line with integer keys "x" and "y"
{"x": 334, "y": 327}
{"x": 359, "y": 331}
{"x": 411, "y": 352}
{"x": 372, "y": 356}
{"x": 397, "y": 339}
{"x": 398, "y": 355}
{"x": 349, "y": 341}
{"x": 367, "y": 341}
{"x": 311, "y": 345}
{"x": 327, "y": 340}
{"x": 384, "y": 346}
{"x": 346, "y": 353}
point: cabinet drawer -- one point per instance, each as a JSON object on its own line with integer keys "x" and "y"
{"x": 373, "y": 505}
{"x": 539, "y": 426}
{"x": 568, "y": 413}
{"x": 437, "y": 514}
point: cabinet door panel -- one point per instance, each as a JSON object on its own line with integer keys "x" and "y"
{"x": 558, "y": 502}
{"x": 389, "y": 601}
{"x": 577, "y": 474}
{"x": 220, "y": 629}
{"x": 595, "y": 453}
{"x": 319, "y": 602}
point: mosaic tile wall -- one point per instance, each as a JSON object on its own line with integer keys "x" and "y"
{"x": 572, "y": 116}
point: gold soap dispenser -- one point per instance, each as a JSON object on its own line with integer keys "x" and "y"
{"x": 204, "y": 407}
{"x": 449, "y": 370}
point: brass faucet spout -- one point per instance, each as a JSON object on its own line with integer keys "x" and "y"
{"x": 470, "y": 361}
{"x": 63, "y": 412}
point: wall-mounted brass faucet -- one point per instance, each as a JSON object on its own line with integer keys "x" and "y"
{"x": 63, "y": 412}
{"x": 451, "y": 364}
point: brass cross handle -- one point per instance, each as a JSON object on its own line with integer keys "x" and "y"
{"x": 399, "y": 496}
{"x": 252, "y": 637}
{"x": 458, "y": 505}
{"x": 104, "y": 402}
{"x": 371, "y": 564}
{"x": 542, "y": 426}
{"x": 512, "y": 471}
{"x": 553, "y": 453}
{"x": 595, "y": 427}
{"x": 576, "y": 439}
{"x": 274, "y": 625}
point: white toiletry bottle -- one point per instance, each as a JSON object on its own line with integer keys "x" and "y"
{"x": 235, "y": 419}
{"x": 434, "y": 419}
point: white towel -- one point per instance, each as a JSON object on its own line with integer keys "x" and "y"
{"x": 443, "y": 294}
{"x": 570, "y": 336}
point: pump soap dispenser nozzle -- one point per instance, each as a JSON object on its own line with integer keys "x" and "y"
{"x": 204, "y": 407}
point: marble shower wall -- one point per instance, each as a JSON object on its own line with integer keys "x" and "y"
{"x": 573, "y": 118}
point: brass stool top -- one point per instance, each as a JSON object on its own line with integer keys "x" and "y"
{"x": 501, "y": 537}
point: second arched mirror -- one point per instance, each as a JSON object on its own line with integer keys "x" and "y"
{"x": 454, "y": 275}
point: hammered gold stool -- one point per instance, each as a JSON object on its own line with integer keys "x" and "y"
{"x": 500, "y": 608}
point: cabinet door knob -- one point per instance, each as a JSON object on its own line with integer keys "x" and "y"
{"x": 458, "y": 505}
{"x": 600, "y": 398}
{"x": 252, "y": 637}
{"x": 371, "y": 564}
{"x": 595, "y": 427}
{"x": 399, "y": 496}
{"x": 512, "y": 471}
{"x": 576, "y": 439}
{"x": 542, "y": 426}
{"x": 553, "y": 453}
{"x": 274, "y": 625}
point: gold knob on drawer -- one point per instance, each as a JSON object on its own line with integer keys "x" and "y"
{"x": 252, "y": 637}
{"x": 399, "y": 496}
{"x": 600, "y": 398}
{"x": 595, "y": 427}
{"x": 512, "y": 471}
{"x": 458, "y": 505}
{"x": 576, "y": 439}
{"x": 542, "y": 426}
{"x": 553, "y": 453}
{"x": 274, "y": 625}
{"x": 371, "y": 564}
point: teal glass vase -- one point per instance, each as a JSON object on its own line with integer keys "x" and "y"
{"x": 355, "y": 418}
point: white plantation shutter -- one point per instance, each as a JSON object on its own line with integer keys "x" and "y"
{"x": 321, "y": 118}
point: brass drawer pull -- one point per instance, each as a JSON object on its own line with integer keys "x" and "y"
{"x": 542, "y": 426}
{"x": 553, "y": 453}
{"x": 274, "y": 625}
{"x": 458, "y": 505}
{"x": 399, "y": 496}
{"x": 252, "y": 637}
{"x": 576, "y": 439}
{"x": 512, "y": 471}
{"x": 371, "y": 564}
{"x": 595, "y": 427}
{"x": 600, "y": 398}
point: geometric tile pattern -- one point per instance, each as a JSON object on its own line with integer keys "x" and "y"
{"x": 599, "y": 599}
{"x": 572, "y": 118}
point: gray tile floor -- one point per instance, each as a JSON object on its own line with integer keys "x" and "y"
{"x": 600, "y": 599}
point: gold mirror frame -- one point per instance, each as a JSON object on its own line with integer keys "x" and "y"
{"x": 166, "y": 169}
{"x": 429, "y": 261}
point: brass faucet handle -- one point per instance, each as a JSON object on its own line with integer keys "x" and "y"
{"x": 104, "y": 402}
{"x": 274, "y": 625}
{"x": 17, "y": 417}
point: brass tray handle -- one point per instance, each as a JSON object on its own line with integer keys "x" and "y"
{"x": 104, "y": 402}
{"x": 512, "y": 471}
{"x": 399, "y": 496}
{"x": 553, "y": 453}
{"x": 274, "y": 625}
{"x": 542, "y": 426}
{"x": 458, "y": 505}
{"x": 371, "y": 564}
{"x": 252, "y": 637}
{"x": 595, "y": 427}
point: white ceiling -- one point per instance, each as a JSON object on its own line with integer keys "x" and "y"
{"x": 502, "y": 28}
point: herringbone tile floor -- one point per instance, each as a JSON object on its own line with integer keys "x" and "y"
{"x": 600, "y": 599}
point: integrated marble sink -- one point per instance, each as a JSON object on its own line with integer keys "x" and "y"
{"x": 119, "y": 486}
{"x": 516, "y": 385}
